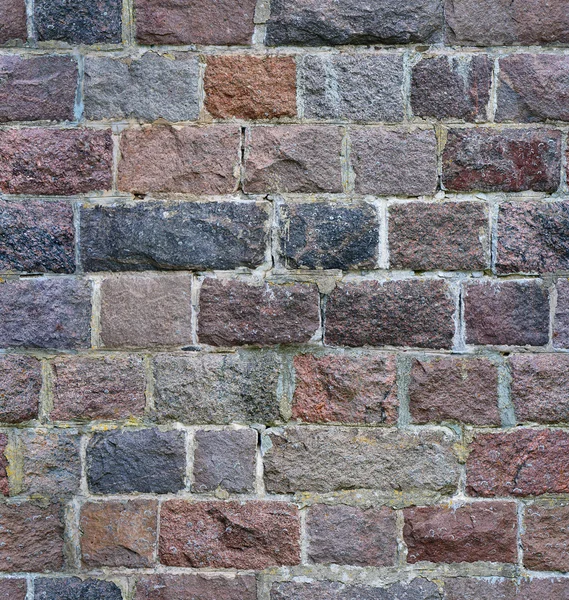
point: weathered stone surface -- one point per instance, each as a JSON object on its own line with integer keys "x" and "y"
{"x": 45, "y": 313}
{"x": 79, "y": 21}
{"x": 187, "y": 235}
{"x": 217, "y": 388}
{"x": 250, "y": 87}
{"x": 327, "y": 459}
{"x": 452, "y": 236}
{"x": 561, "y": 321}
{"x": 523, "y": 462}
{"x": 454, "y": 388}
{"x": 348, "y": 535}
{"x": 149, "y": 461}
{"x": 253, "y": 535}
{"x": 226, "y": 460}
{"x": 508, "y": 313}
{"x": 188, "y": 587}
{"x": 32, "y": 537}
{"x": 139, "y": 311}
{"x": 235, "y": 313}
{"x": 532, "y": 237}
{"x": 392, "y": 313}
{"x": 209, "y": 22}
{"x": 110, "y": 387}
{"x": 545, "y": 538}
{"x": 358, "y": 87}
{"x": 326, "y": 235}
{"x": 388, "y": 162}
{"x": 37, "y": 88}
{"x": 462, "y": 588}
{"x": 13, "y": 589}
{"x": 119, "y": 534}
{"x": 345, "y": 388}
{"x": 449, "y": 87}
{"x": 73, "y": 588}
{"x": 37, "y": 236}
{"x": 13, "y": 25}
{"x": 507, "y": 160}
{"x": 482, "y": 531}
{"x": 189, "y": 160}
{"x": 329, "y": 23}
{"x": 293, "y": 158}
{"x": 4, "y": 466}
{"x": 55, "y": 161}
{"x": 20, "y": 385}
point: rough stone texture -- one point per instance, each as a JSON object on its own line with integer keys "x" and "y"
{"x": 55, "y": 161}
{"x": 189, "y": 587}
{"x": 79, "y": 21}
{"x": 254, "y": 535}
{"x": 73, "y": 588}
{"x": 493, "y": 588}
{"x": 506, "y": 160}
{"x": 561, "y": 321}
{"x": 392, "y": 313}
{"x": 452, "y": 236}
{"x": 37, "y": 88}
{"x": 545, "y": 538}
{"x": 250, "y": 87}
{"x": 452, "y": 87}
{"x": 32, "y": 537}
{"x": 508, "y": 313}
{"x": 532, "y": 237}
{"x": 387, "y": 162}
{"x": 147, "y": 461}
{"x": 329, "y": 23}
{"x": 323, "y": 235}
{"x": 482, "y": 531}
{"x": 226, "y": 460}
{"x": 235, "y": 313}
{"x": 209, "y": 22}
{"x": 13, "y": 589}
{"x": 119, "y": 534}
{"x": 348, "y": 535}
{"x": 327, "y": 459}
{"x": 37, "y": 236}
{"x": 20, "y": 385}
{"x": 524, "y": 462}
{"x": 356, "y": 87}
{"x": 164, "y": 236}
{"x": 139, "y": 311}
{"x": 184, "y": 159}
{"x": 217, "y": 388}
{"x": 110, "y": 387}
{"x": 293, "y": 158}
{"x": 345, "y": 389}
{"x": 45, "y": 313}
{"x": 13, "y": 24}
{"x": 455, "y": 389}
{"x": 4, "y": 466}
{"x": 145, "y": 88}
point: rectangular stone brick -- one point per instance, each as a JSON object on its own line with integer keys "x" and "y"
{"x": 4, "y": 466}
{"x": 55, "y": 161}
{"x": 250, "y": 87}
{"x": 186, "y": 235}
{"x": 507, "y": 313}
{"x": 119, "y": 534}
{"x": 392, "y": 313}
{"x": 20, "y": 385}
{"x": 545, "y": 539}
{"x": 13, "y": 589}
{"x": 147, "y": 88}
{"x": 398, "y": 163}
{"x": 345, "y": 388}
{"x": 348, "y": 535}
{"x": 73, "y": 588}
{"x": 189, "y": 160}
{"x": 45, "y": 313}
{"x": 506, "y": 160}
{"x": 13, "y": 24}
{"x": 454, "y": 389}
{"x": 356, "y": 87}
{"x": 482, "y": 531}
{"x": 139, "y": 311}
{"x": 462, "y": 588}
{"x": 252, "y": 535}
{"x": 187, "y": 587}
{"x": 236, "y": 313}
{"x": 110, "y": 387}
{"x": 452, "y": 236}
{"x": 37, "y": 88}
{"x": 326, "y": 235}
{"x": 522, "y": 462}
{"x": 561, "y": 321}
{"x": 293, "y": 158}
{"x": 327, "y": 459}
